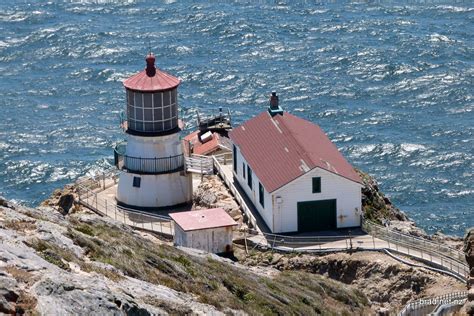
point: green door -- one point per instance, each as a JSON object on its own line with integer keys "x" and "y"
{"x": 316, "y": 215}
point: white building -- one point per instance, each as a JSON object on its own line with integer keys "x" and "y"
{"x": 208, "y": 230}
{"x": 154, "y": 175}
{"x": 294, "y": 175}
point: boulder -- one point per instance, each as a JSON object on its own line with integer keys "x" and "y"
{"x": 62, "y": 200}
{"x": 65, "y": 202}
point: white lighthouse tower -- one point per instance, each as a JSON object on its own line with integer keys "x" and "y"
{"x": 154, "y": 174}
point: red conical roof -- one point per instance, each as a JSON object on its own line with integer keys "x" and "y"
{"x": 151, "y": 78}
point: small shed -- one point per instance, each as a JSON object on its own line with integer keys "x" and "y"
{"x": 209, "y": 230}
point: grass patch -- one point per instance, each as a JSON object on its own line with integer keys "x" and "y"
{"x": 20, "y": 275}
{"x": 20, "y": 225}
{"x": 60, "y": 257}
{"x": 85, "y": 229}
{"x": 214, "y": 282}
{"x": 52, "y": 253}
{"x": 112, "y": 275}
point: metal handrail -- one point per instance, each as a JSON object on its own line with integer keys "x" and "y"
{"x": 439, "y": 248}
{"x": 450, "y": 258}
{"x": 87, "y": 191}
{"x": 439, "y": 254}
{"x": 157, "y": 165}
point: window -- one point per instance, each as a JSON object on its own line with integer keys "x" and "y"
{"x": 317, "y": 185}
{"x": 261, "y": 197}
{"x": 136, "y": 182}
{"x": 235, "y": 158}
{"x": 249, "y": 177}
{"x": 243, "y": 170}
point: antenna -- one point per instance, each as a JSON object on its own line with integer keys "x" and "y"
{"x": 149, "y": 46}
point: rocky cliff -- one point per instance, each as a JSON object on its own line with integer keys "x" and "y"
{"x": 80, "y": 263}
{"x": 469, "y": 251}
{"x": 387, "y": 283}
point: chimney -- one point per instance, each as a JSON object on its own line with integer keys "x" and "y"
{"x": 274, "y": 101}
{"x": 274, "y": 107}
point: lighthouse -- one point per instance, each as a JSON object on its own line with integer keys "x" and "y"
{"x": 152, "y": 160}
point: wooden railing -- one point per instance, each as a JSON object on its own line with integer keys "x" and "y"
{"x": 225, "y": 158}
{"x": 199, "y": 164}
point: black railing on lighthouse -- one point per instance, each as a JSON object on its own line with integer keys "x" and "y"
{"x": 140, "y": 165}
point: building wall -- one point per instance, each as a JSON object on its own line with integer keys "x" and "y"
{"x": 158, "y": 190}
{"x": 214, "y": 240}
{"x": 265, "y": 212}
{"x": 346, "y": 192}
{"x": 154, "y": 147}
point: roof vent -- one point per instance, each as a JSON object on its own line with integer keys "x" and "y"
{"x": 274, "y": 107}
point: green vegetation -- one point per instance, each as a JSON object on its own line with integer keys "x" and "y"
{"x": 52, "y": 253}
{"x": 212, "y": 281}
{"x": 61, "y": 257}
{"x": 375, "y": 214}
{"x": 20, "y": 225}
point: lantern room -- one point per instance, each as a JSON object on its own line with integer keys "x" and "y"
{"x": 152, "y": 101}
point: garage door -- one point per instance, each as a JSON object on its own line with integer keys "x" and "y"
{"x": 316, "y": 215}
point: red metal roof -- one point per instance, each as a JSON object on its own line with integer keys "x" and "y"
{"x": 151, "y": 79}
{"x": 279, "y": 149}
{"x": 203, "y": 219}
{"x": 200, "y": 148}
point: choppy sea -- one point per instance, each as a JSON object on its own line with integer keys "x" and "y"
{"x": 390, "y": 82}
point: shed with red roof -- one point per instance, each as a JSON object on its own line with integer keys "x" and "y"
{"x": 295, "y": 176}
{"x": 209, "y": 230}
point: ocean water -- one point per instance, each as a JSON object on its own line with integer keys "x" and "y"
{"x": 390, "y": 82}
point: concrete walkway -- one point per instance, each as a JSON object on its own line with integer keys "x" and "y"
{"x": 101, "y": 200}
{"x": 104, "y": 203}
{"x": 363, "y": 242}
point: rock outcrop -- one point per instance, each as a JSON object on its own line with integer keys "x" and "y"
{"x": 376, "y": 206}
{"x": 62, "y": 200}
{"x": 469, "y": 252}
{"x": 212, "y": 193}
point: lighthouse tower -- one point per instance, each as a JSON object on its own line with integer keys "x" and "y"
{"x": 154, "y": 174}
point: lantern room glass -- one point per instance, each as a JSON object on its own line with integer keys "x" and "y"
{"x": 152, "y": 112}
